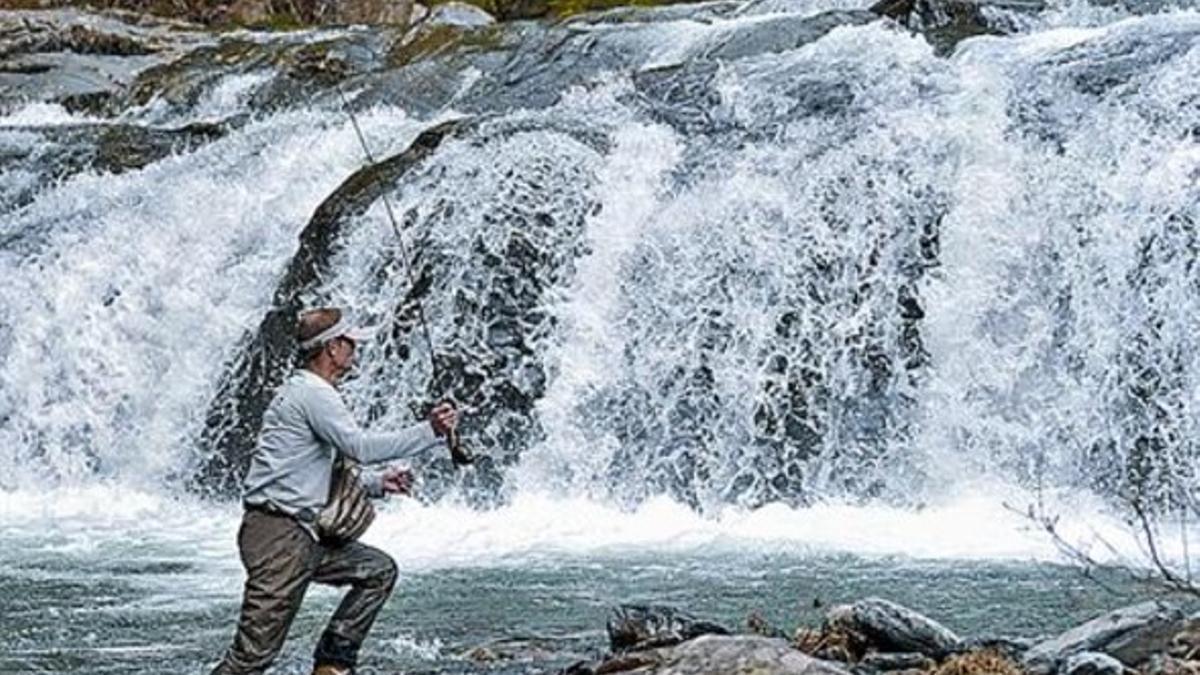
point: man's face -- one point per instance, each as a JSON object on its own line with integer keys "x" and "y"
{"x": 342, "y": 352}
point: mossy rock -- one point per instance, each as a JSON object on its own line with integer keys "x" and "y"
{"x": 431, "y": 40}
{"x": 512, "y": 10}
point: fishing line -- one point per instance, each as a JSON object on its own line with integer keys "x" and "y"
{"x": 457, "y": 453}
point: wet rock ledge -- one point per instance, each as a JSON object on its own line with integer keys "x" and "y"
{"x": 875, "y": 636}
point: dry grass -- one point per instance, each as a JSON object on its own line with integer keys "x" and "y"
{"x": 982, "y": 662}
{"x": 833, "y": 643}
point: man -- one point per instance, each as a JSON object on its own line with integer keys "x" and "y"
{"x": 304, "y": 428}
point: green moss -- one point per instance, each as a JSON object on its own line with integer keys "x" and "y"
{"x": 429, "y": 40}
{"x": 566, "y": 8}
{"x": 436, "y": 39}
{"x": 277, "y": 21}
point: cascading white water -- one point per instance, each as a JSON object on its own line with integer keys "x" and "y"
{"x": 124, "y": 295}
{"x": 1062, "y": 321}
{"x": 888, "y": 276}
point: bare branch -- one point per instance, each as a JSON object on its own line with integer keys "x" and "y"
{"x": 1167, "y": 575}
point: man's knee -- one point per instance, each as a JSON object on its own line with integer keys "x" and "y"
{"x": 373, "y": 568}
{"x": 387, "y": 571}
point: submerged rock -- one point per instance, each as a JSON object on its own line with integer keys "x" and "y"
{"x": 1130, "y": 635}
{"x": 892, "y": 627}
{"x": 44, "y": 156}
{"x": 517, "y": 649}
{"x": 635, "y": 627}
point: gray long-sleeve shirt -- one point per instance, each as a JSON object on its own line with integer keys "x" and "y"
{"x": 304, "y": 428}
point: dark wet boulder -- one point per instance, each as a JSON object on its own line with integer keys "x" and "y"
{"x": 637, "y": 627}
{"x": 80, "y": 59}
{"x": 40, "y": 157}
{"x": 890, "y": 627}
{"x": 1091, "y": 663}
{"x": 945, "y": 23}
{"x": 276, "y": 73}
{"x": 1130, "y": 635}
{"x": 522, "y": 649}
{"x": 263, "y": 361}
{"x": 490, "y": 281}
{"x": 683, "y": 96}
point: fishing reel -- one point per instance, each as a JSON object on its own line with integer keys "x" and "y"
{"x": 459, "y": 455}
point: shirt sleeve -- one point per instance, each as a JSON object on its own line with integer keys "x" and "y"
{"x": 331, "y": 422}
{"x": 372, "y": 482}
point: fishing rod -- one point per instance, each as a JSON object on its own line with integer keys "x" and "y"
{"x": 458, "y": 454}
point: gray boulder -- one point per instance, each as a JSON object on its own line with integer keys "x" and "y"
{"x": 1092, "y": 663}
{"x": 723, "y": 655}
{"x": 634, "y": 627}
{"x": 713, "y": 655}
{"x": 892, "y": 628}
{"x": 459, "y": 14}
{"x": 888, "y": 661}
{"x": 1130, "y": 635}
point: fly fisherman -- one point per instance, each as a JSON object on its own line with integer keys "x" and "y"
{"x": 305, "y": 430}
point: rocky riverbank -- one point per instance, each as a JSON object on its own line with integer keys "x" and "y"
{"x": 109, "y": 63}
{"x": 874, "y": 636}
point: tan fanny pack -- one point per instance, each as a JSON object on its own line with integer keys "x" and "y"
{"x": 349, "y": 511}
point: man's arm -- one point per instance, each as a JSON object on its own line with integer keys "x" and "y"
{"x": 332, "y": 423}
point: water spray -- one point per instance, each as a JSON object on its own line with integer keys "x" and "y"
{"x": 458, "y": 454}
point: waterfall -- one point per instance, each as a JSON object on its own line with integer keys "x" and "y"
{"x": 847, "y": 269}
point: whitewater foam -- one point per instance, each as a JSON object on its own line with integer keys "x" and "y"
{"x": 980, "y": 523}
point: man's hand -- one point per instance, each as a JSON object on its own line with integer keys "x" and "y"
{"x": 397, "y": 481}
{"x": 444, "y": 418}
